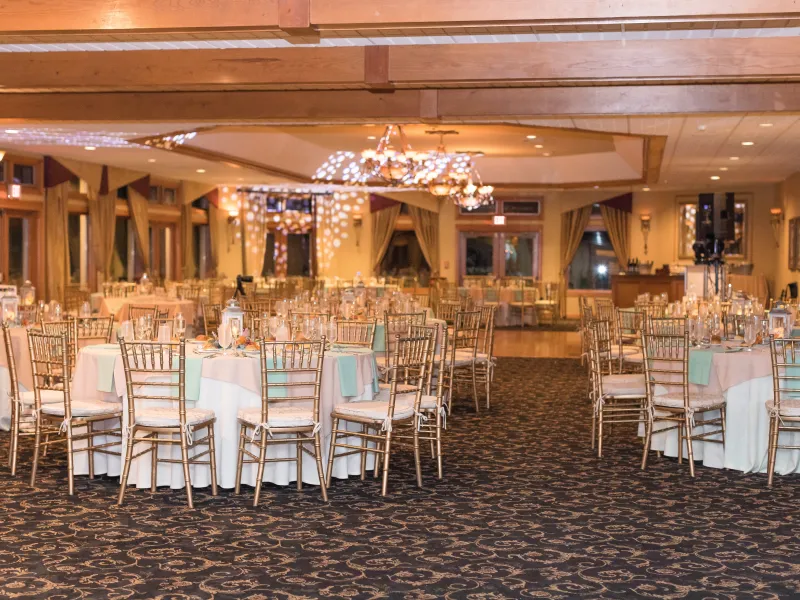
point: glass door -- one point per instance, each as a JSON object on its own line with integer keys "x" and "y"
{"x": 500, "y": 254}
{"x": 521, "y": 253}
{"x": 478, "y": 254}
{"x": 18, "y": 247}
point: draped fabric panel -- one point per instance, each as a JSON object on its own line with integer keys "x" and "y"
{"x": 138, "y": 206}
{"x": 102, "y": 224}
{"x": 617, "y": 224}
{"x": 383, "y": 222}
{"x": 187, "y": 243}
{"x": 213, "y": 236}
{"x": 56, "y": 211}
{"x": 426, "y": 226}
{"x": 573, "y": 224}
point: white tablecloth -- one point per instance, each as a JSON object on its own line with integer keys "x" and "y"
{"x": 741, "y": 379}
{"x": 225, "y": 399}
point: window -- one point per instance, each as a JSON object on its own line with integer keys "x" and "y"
{"x": 594, "y": 263}
{"x": 687, "y": 228}
{"x": 404, "y": 256}
{"x": 302, "y": 205}
{"x": 479, "y": 256}
{"x": 168, "y": 196}
{"x": 500, "y": 253}
{"x": 152, "y": 194}
{"x": 78, "y": 228}
{"x": 122, "y": 192}
{"x": 269, "y": 256}
{"x": 298, "y": 254}
{"x": 122, "y": 250}
{"x": 2, "y": 171}
{"x": 24, "y": 174}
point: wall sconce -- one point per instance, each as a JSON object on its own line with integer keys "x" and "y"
{"x": 233, "y": 226}
{"x": 645, "y": 226}
{"x": 358, "y": 222}
{"x": 14, "y": 191}
{"x": 776, "y": 220}
{"x": 2, "y": 154}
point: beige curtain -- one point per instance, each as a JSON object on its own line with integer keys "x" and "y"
{"x": 213, "y": 236}
{"x": 102, "y": 224}
{"x": 138, "y": 206}
{"x": 426, "y": 226}
{"x": 382, "y": 229}
{"x": 573, "y": 224}
{"x": 617, "y": 226}
{"x": 187, "y": 243}
{"x": 56, "y": 240}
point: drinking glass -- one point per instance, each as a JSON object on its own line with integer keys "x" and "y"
{"x": 750, "y": 331}
{"x": 55, "y": 313}
{"x": 86, "y": 310}
{"x": 765, "y": 331}
{"x": 333, "y": 331}
{"x": 126, "y": 331}
{"x": 224, "y": 338}
{"x": 180, "y": 325}
{"x": 716, "y": 325}
{"x": 164, "y": 334}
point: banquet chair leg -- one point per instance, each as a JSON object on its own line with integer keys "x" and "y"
{"x": 262, "y": 456}
{"x": 154, "y": 463}
{"x": 187, "y": 479}
{"x": 320, "y": 472}
{"x": 386, "y": 455}
{"x": 212, "y": 459}
{"x": 70, "y": 460}
{"x": 417, "y": 458}
{"x": 13, "y": 442}
{"x": 334, "y": 430}
{"x": 126, "y": 467}
{"x": 90, "y": 447}
{"x": 377, "y": 468}
{"x": 689, "y": 449}
{"x": 722, "y": 415}
{"x": 600, "y": 433}
{"x": 299, "y": 461}
{"x": 46, "y": 445}
{"x": 36, "y": 444}
{"x": 240, "y": 458}
{"x": 475, "y": 388}
{"x": 774, "y": 432}
{"x": 489, "y": 373}
{"x": 648, "y": 432}
{"x": 439, "y": 444}
{"x": 364, "y": 445}
{"x": 680, "y": 443}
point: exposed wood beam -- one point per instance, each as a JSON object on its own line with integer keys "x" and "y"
{"x": 115, "y": 20}
{"x": 447, "y": 65}
{"x": 354, "y": 106}
{"x": 294, "y": 17}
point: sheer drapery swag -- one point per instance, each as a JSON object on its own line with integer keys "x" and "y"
{"x": 573, "y": 224}
{"x": 138, "y": 206}
{"x": 384, "y": 216}
{"x": 616, "y": 218}
{"x": 56, "y": 248}
{"x": 188, "y": 192}
{"x": 426, "y": 227}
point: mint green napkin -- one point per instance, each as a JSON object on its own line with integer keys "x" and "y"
{"x": 795, "y": 331}
{"x": 105, "y": 369}
{"x": 193, "y": 368}
{"x": 700, "y": 366}
{"x": 379, "y": 342}
{"x": 348, "y": 374}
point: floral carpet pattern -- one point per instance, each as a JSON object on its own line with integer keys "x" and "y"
{"x": 525, "y": 511}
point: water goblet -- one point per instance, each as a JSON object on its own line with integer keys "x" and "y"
{"x": 180, "y": 325}
{"x": 224, "y": 338}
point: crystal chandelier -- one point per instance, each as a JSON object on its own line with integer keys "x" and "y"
{"x": 394, "y": 161}
{"x": 467, "y": 189}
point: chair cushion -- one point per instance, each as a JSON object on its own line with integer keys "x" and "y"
{"x": 701, "y": 401}
{"x": 84, "y": 408}
{"x": 402, "y": 388}
{"x": 624, "y": 385}
{"x": 464, "y": 358}
{"x": 376, "y": 409}
{"x": 47, "y": 396}
{"x": 427, "y": 403}
{"x": 279, "y": 416}
{"x": 789, "y": 408}
{"x": 626, "y": 351}
{"x": 169, "y": 417}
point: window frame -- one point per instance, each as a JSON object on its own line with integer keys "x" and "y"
{"x": 743, "y": 198}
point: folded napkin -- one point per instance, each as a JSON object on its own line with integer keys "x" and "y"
{"x": 379, "y": 343}
{"x": 106, "y": 362}
{"x": 700, "y": 366}
{"x": 348, "y": 374}
{"x": 193, "y": 369}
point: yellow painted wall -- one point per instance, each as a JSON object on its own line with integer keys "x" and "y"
{"x": 789, "y": 200}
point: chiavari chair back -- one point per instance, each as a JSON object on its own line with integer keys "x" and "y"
{"x": 784, "y": 409}
{"x": 423, "y": 300}
{"x": 447, "y": 309}
{"x": 652, "y": 310}
{"x": 68, "y": 328}
{"x": 135, "y": 312}
{"x": 261, "y": 305}
{"x": 351, "y": 332}
{"x": 29, "y": 314}
{"x": 462, "y": 353}
{"x": 406, "y": 364}
{"x": 586, "y": 318}
{"x": 94, "y": 330}
{"x": 291, "y": 372}
{"x": 399, "y": 324}
{"x": 155, "y": 379}
{"x": 212, "y": 317}
{"x": 22, "y": 422}
{"x": 604, "y": 309}
{"x": 74, "y": 297}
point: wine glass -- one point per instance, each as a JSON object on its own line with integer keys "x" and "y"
{"x": 180, "y": 325}
{"x": 264, "y": 324}
{"x": 126, "y": 332}
{"x": 332, "y": 331}
{"x": 86, "y": 310}
{"x": 750, "y": 332}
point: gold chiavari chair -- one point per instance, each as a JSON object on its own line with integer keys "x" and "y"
{"x": 50, "y": 364}
{"x": 604, "y": 309}
{"x": 447, "y": 309}
{"x": 546, "y": 305}
{"x": 423, "y": 300}
{"x": 29, "y": 314}
{"x": 355, "y": 333}
{"x": 461, "y": 355}
{"x": 396, "y": 324}
{"x": 290, "y": 372}
{"x": 252, "y": 322}
{"x": 74, "y": 297}
{"x": 617, "y": 398}
{"x": 666, "y": 352}
{"x": 134, "y": 312}
{"x": 784, "y": 408}
{"x": 153, "y": 417}
{"x": 652, "y": 310}
{"x": 484, "y": 357}
{"x": 296, "y": 318}
{"x": 261, "y": 305}
{"x": 93, "y": 330}
{"x": 212, "y": 318}
{"x": 407, "y": 363}
{"x": 66, "y": 328}
{"x": 627, "y": 337}
{"x": 586, "y": 317}
{"x": 23, "y": 404}
{"x": 163, "y": 317}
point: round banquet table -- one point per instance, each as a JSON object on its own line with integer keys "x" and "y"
{"x": 745, "y": 381}
{"x": 226, "y": 384}
{"x": 119, "y": 306}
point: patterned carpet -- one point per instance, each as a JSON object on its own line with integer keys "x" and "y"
{"x": 525, "y": 511}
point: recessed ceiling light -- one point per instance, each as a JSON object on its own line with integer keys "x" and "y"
{"x": 701, "y": 128}
{"x": 597, "y": 187}
{"x": 151, "y": 160}
{"x": 538, "y": 146}
{"x": 531, "y": 137}
{"x": 12, "y": 130}
{"x": 546, "y": 154}
{"x": 723, "y": 168}
{"x": 748, "y": 143}
{"x": 89, "y": 148}
{"x": 241, "y": 178}
{"x": 371, "y": 137}
{"x": 645, "y": 189}
{"x": 201, "y": 170}
{"x": 765, "y": 124}
{"x": 715, "y": 177}
{"x": 734, "y": 158}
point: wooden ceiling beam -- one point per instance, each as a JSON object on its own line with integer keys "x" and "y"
{"x": 384, "y": 67}
{"x": 124, "y": 20}
{"x": 361, "y": 106}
